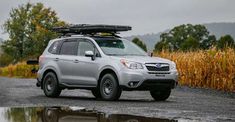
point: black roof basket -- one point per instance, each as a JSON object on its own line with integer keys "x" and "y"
{"x": 90, "y": 29}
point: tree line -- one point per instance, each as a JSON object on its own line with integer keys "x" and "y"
{"x": 29, "y": 28}
{"x": 188, "y": 37}
{"x": 192, "y": 37}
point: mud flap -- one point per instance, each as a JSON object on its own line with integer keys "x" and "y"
{"x": 33, "y": 62}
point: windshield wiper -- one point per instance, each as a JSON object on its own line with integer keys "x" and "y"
{"x": 115, "y": 54}
{"x": 135, "y": 55}
{"x": 125, "y": 55}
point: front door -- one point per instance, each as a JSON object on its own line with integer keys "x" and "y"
{"x": 86, "y": 69}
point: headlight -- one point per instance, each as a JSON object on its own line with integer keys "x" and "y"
{"x": 131, "y": 64}
{"x": 173, "y": 65}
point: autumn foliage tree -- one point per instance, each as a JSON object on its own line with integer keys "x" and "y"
{"x": 29, "y": 28}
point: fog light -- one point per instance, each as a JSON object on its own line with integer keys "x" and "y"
{"x": 133, "y": 83}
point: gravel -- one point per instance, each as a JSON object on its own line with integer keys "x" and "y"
{"x": 184, "y": 103}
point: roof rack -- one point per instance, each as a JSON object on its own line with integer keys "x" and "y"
{"x": 87, "y": 29}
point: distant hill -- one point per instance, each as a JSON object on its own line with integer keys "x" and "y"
{"x": 149, "y": 39}
{"x": 217, "y": 29}
{"x": 220, "y": 29}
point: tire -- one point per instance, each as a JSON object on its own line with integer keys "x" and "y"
{"x": 109, "y": 87}
{"x": 96, "y": 93}
{"x": 160, "y": 95}
{"x": 50, "y": 115}
{"x": 50, "y": 85}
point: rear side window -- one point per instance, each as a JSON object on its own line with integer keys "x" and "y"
{"x": 69, "y": 48}
{"x": 54, "y": 48}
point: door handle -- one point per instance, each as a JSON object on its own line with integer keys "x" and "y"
{"x": 56, "y": 59}
{"x": 76, "y": 61}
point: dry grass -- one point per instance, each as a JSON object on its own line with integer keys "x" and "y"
{"x": 21, "y": 70}
{"x": 207, "y": 69}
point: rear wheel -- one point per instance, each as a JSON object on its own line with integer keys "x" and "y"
{"x": 96, "y": 93}
{"x": 50, "y": 85}
{"x": 160, "y": 95}
{"x": 109, "y": 87}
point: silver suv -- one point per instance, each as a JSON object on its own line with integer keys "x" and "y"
{"x": 106, "y": 65}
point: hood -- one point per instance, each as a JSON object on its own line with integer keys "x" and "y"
{"x": 143, "y": 59}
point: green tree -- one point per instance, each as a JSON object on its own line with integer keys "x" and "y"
{"x": 161, "y": 46}
{"x": 209, "y": 42}
{"x": 185, "y": 37}
{"x": 29, "y": 28}
{"x": 189, "y": 44}
{"x": 140, "y": 43}
{"x": 5, "y": 59}
{"x": 226, "y": 41}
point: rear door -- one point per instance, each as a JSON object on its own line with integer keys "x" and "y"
{"x": 67, "y": 59}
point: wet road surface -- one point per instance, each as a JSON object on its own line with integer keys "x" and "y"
{"x": 184, "y": 103}
{"x": 68, "y": 114}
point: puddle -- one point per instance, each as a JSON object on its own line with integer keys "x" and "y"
{"x": 68, "y": 114}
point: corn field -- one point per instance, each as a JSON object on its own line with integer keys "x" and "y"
{"x": 207, "y": 69}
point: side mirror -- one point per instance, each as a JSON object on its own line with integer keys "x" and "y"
{"x": 90, "y": 54}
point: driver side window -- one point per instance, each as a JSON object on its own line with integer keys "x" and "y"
{"x": 84, "y": 46}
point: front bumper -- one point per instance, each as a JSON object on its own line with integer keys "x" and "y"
{"x": 145, "y": 80}
{"x": 153, "y": 85}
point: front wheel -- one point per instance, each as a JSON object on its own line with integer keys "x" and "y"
{"x": 160, "y": 95}
{"x": 50, "y": 85}
{"x": 109, "y": 87}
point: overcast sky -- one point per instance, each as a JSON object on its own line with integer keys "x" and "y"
{"x": 145, "y": 16}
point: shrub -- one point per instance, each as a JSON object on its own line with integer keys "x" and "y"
{"x": 18, "y": 70}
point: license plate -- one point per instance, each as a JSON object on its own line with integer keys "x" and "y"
{"x": 160, "y": 75}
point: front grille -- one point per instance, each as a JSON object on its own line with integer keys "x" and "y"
{"x": 158, "y": 67}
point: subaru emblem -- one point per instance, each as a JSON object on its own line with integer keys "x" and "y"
{"x": 158, "y": 65}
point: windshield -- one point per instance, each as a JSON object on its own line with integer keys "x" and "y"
{"x": 113, "y": 46}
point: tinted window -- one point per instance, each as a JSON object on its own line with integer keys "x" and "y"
{"x": 69, "y": 48}
{"x": 84, "y": 46}
{"x": 54, "y": 48}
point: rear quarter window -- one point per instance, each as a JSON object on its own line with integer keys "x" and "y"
{"x": 54, "y": 48}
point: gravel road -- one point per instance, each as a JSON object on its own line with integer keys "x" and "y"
{"x": 184, "y": 103}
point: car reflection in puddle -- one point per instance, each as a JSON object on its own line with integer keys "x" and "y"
{"x": 68, "y": 114}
